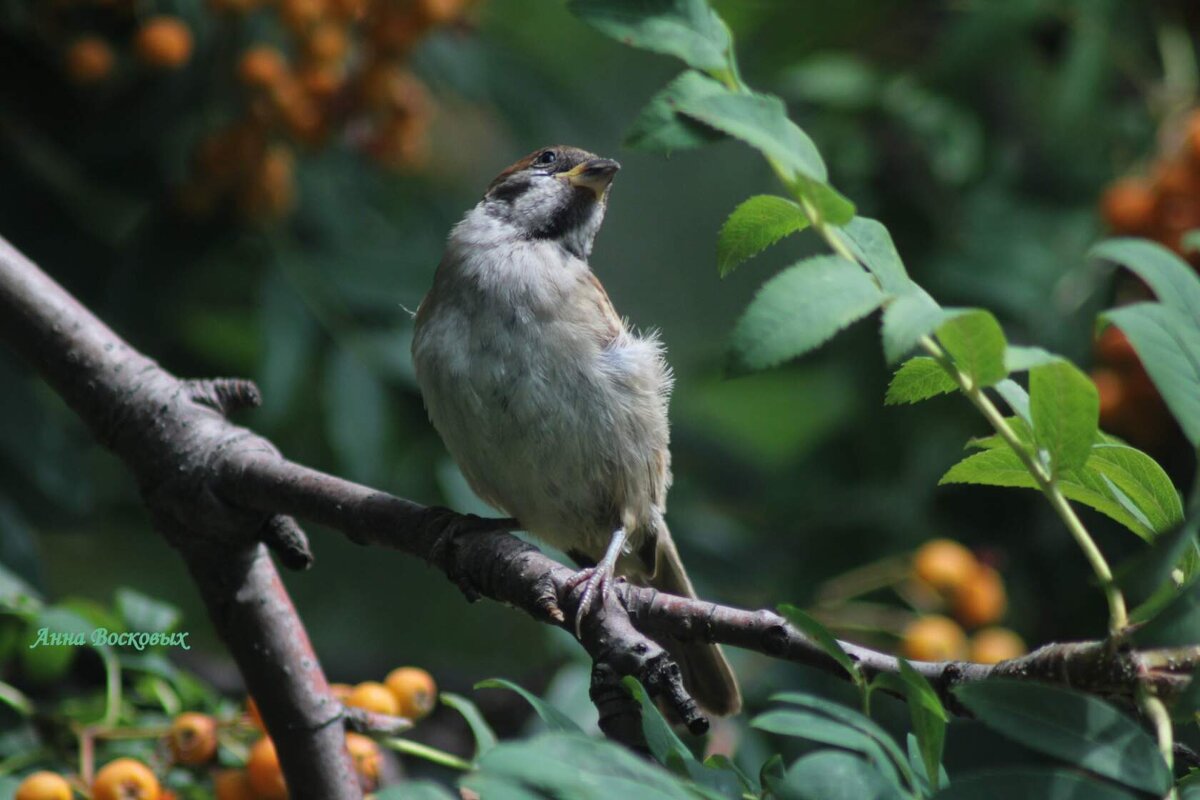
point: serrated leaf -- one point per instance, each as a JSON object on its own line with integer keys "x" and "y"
{"x": 659, "y": 128}
{"x": 1082, "y": 730}
{"x": 1167, "y": 342}
{"x": 1143, "y": 482}
{"x": 873, "y": 246}
{"x": 1000, "y": 466}
{"x": 801, "y": 308}
{"x": 815, "y": 727}
{"x": 1172, "y": 279}
{"x": 1005, "y": 784}
{"x": 976, "y": 343}
{"x": 554, "y": 719}
{"x": 687, "y": 29}
{"x": 919, "y": 378}
{"x": 1176, "y": 625}
{"x": 820, "y": 636}
{"x": 906, "y": 319}
{"x": 760, "y": 121}
{"x": 1065, "y": 407}
{"x": 754, "y": 226}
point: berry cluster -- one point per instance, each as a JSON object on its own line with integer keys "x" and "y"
{"x": 1163, "y": 205}
{"x": 311, "y": 72}
{"x": 973, "y": 593}
{"x": 192, "y": 741}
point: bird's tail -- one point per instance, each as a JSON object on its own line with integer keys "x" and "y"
{"x": 706, "y": 673}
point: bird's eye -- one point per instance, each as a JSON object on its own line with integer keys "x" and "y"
{"x": 545, "y": 158}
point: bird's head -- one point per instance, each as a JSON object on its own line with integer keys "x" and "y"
{"x": 554, "y": 193}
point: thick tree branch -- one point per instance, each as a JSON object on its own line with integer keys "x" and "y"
{"x": 217, "y": 491}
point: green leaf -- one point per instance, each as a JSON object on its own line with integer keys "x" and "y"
{"x": 906, "y": 319}
{"x": 831, "y": 206}
{"x": 917, "y": 761}
{"x": 976, "y": 343}
{"x": 665, "y": 746}
{"x": 1066, "y": 412}
{"x": 919, "y": 378}
{"x": 574, "y": 766}
{"x": 754, "y": 226}
{"x": 1000, "y": 466}
{"x": 1187, "y": 705}
{"x": 485, "y": 737}
{"x": 1177, "y": 625}
{"x": 1167, "y": 342}
{"x": 1019, "y": 359}
{"x": 1082, "y": 730}
{"x": 818, "y": 728}
{"x": 1018, "y": 400}
{"x": 801, "y": 308}
{"x": 820, "y": 636}
{"x": 659, "y": 128}
{"x": 1059, "y": 784}
{"x": 415, "y": 790}
{"x": 832, "y": 775}
{"x": 852, "y": 718}
{"x": 760, "y": 121}
{"x": 356, "y": 415}
{"x": 929, "y": 719}
{"x": 873, "y": 246}
{"x": 555, "y": 720}
{"x": 686, "y": 29}
{"x": 144, "y": 614}
{"x": 46, "y": 663}
{"x": 1141, "y": 480}
{"x": 1172, "y": 279}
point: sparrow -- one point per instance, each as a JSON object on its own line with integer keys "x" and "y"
{"x": 553, "y": 408}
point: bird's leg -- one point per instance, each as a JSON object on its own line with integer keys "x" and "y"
{"x": 596, "y": 579}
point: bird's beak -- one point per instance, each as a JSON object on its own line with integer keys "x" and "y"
{"x": 595, "y": 174}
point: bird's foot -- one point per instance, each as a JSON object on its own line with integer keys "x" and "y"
{"x": 596, "y": 580}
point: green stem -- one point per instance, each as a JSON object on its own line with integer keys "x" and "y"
{"x": 14, "y": 697}
{"x": 428, "y": 753}
{"x": 1118, "y": 616}
{"x": 1154, "y": 709}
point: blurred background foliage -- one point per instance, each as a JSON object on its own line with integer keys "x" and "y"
{"x": 983, "y": 133}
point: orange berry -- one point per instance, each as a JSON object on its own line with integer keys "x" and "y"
{"x": 439, "y": 12}
{"x": 1192, "y": 138}
{"x": 164, "y": 42}
{"x": 394, "y": 30}
{"x": 400, "y": 143}
{"x": 348, "y": 9}
{"x": 262, "y": 768}
{"x": 262, "y": 67}
{"x": 993, "y": 645}
{"x": 1128, "y": 205}
{"x": 193, "y": 738}
{"x": 43, "y": 786}
{"x": 944, "y": 564}
{"x": 270, "y": 192}
{"x": 321, "y": 81}
{"x": 252, "y": 712}
{"x": 980, "y": 600}
{"x": 1114, "y": 346}
{"x": 414, "y": 690}
{"x": 388, "y": 87}
{"x": 366, "y": 756}
{"x": 300, "y": 15}
{"x": 326, "y": 43}
{"x": 1112, "y": 392}
{"x": 233, "y": 784}
{"x": 374, "y": 696}
{"x": 934, "y": 638}
{"x": 89, "y": 60}
{"x": 125, "y": 779}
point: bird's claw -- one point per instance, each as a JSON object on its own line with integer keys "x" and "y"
{"x": 596, "y": 581}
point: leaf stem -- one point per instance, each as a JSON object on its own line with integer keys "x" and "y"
{"x": 1118, "y": 616}
{"x": 1153, "y": 708}
{"x": 429, "y": 754}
